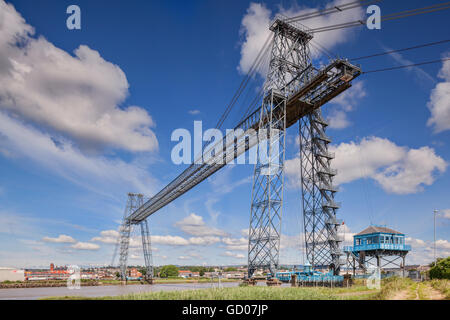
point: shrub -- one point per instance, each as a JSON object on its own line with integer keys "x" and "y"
{"x": 441, "y": 270}
{"x": 168, "y": 271}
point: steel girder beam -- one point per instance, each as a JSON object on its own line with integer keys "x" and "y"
{"x": 289, "y": 57}
{"x": 319, "y": 207}
{"x": 306, "y": 89}
{"x": 147, "y": 248}
{"x": 134, "y": 201}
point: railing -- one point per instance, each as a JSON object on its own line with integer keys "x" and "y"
{"x": 377, "y": 246}
{"x": 295, "y": 24}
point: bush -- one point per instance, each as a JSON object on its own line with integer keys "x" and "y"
{"x": 168, "y": 271}
{"x": 441, "y": 270}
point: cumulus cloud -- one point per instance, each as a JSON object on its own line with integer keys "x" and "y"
{"x": 396, "y": 169}
{"x": 62, "y": 238}
{"x": 234, "y": 255}
{"x": 256, "y": 21}
{"x": 180, "y": 241}
{"x": 445, "y": 214}
{"x": 63, "y": 158}
{"x": 439, "y": 104}
{"x": 194, "y": 112}
{"x": 170, "y": 240}
{"x": 415, "y": 243}
{"x": 443, "y": 244}
{"x": 85, "y": 246}
{"x": 111, "y": 237}
{"x": 194, "y": 225}
{"x": 255, "y": 29}
{"x": 423, "y": 251}
{"x": 203, "y": 240}
{"x": 344, "y": 103}
{"x": 236, "y": 244}
{"x": 107, "y": 236}
{"x": 76, "y": 96}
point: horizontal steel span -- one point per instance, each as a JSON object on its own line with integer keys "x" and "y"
{"x": 303, "y": 97}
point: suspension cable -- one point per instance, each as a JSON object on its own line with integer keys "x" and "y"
{"x": 389, "y": 17}
{"x": 407, "y": 66}
{"x": 400, "y": 50}
{"x": 335, "y": 9}
{"x": 244, "y": 82}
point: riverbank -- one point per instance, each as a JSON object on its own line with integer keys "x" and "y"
{"x": 101, "y": 291}
{"x": 63, "y": 283}
{"x": 391, "y": 289}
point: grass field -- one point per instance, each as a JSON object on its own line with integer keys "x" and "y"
{"x": 392, "y": 289}
{"x": 248, "y": 293}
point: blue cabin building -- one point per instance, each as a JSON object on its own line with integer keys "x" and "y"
{"x": 379, "y": 246}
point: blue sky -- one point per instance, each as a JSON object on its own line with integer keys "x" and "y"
{"x": 86, "y": 117}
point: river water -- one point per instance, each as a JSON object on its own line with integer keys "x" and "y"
{"x": 100, "y": 291}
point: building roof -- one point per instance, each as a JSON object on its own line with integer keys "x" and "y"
{"x": 375, "y": 229}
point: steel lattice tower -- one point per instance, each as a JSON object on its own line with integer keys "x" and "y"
{"x": 289, "y": 59}
{"x": 294, "y": 91}
{"x": 134, "y": 201}
{"x": 319, "y": 207}
{"x": 147, "y": 248}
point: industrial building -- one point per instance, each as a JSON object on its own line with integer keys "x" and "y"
{"x": 11, "y": 274}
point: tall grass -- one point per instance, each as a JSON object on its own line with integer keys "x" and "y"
{"x": 443, "y": 285}
{"x": 244, "y": 293}
{"x": 390, "y": 286}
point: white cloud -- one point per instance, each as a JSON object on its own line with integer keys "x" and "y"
{"x": 85, "y": 246}
{"x": 234, "y": 255}
{"x": 203, "y": 240}
{"x": 419, "y": 73}
{"x": 107, "y": 236}
{"x": 194, "y": 225}
{"x": 62, "y": 238}
{"x": 194, "y": 112}
{"x": 236, "y": 244}
{"x": 111, "y": 237}
{"x": 445, "y": 213}
{"x": 337, "y": 119}
{"x": 415, "y": 243}
{"x": 443, "y": 244}
{"x": 255, "y": 28}
{"x": 170, "y": 240}
{"x": 439, "y": 103}
{"x": 345, "y": 103}
{"x": 61, "y": 157}
{"x": 77, "y": 96}
{"x": 397, "y": 169}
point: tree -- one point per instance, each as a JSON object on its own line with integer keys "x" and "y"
{"x": 168, "y": 271}
{"x": 143, "y": 271}
{"x": 441, "y": 270}
{"x": 230, "y": 269}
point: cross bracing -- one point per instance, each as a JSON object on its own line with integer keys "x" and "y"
{"x": 294, "y": 91}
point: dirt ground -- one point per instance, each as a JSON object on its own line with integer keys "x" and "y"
{"x": 428, "y": 293}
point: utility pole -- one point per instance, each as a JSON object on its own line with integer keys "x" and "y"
{"x": 435, "y": 212}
